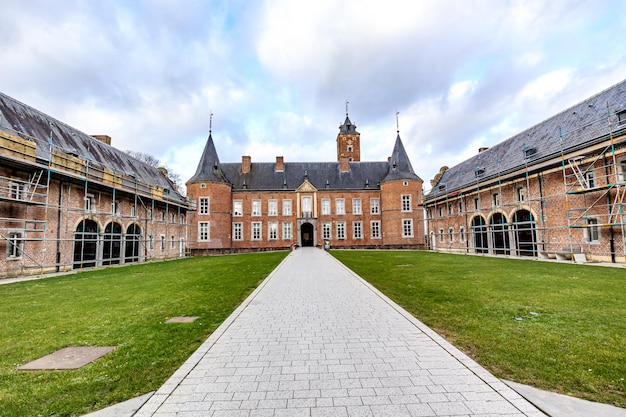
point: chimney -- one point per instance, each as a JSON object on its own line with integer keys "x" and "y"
{"x": 344, "y": 164}
{"x": 103, "y": 138}
{"x": 388, "y": 159}
{"x": 482, "y": 149}
{"x": 280, "y": 164}
{"x": 246, "y": 162}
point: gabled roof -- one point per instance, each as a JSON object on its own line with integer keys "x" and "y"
{"x": 209, "y": 166}
{"x": 573, "y": 129}
{"x": 22, "y": 120}
{"x": 399, "y": 165}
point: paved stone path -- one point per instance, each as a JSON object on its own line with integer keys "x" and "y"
{"x": 316, "y": 340}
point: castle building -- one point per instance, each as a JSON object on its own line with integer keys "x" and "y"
{"x": 69, "y": 200}
{"x": 555, "y": 190}
{"x": 280, "y": 205}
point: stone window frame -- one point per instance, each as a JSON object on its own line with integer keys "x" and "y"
{"x": 256, "y": 231}
{"x": 374, "y": 205}
{"x": 238, "y": 231}
{"x": 407, "y": 228}
{"x": 272, "y": 207}
{"x": 406, "y": 203}
{"x": 375, "y": 231}
{"x": 204, "y": 206}
{"x": 204, "y": 232}
{"x": 287, "y": 231}
{"x": 341, "y": 230}
{"x": 357, "y": 229}
{"x": 326, "y": 211}
{"x": 327, "y": 230}
{"x": 357, "y": 206}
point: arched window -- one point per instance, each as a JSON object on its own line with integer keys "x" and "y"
{"x": 133, "y": 243}
{"x": 86, "y": 244}
{"x": 525, "y": 237}
{"x": 112, "y": 244}
{"x": 500, "y": 234}
{"x": 479, "y": 231}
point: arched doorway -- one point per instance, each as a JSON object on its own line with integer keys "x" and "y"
{"x": 479, "y": 231}
{"x": 306, "y": 234}
{"x": 525, "y": 237}
{"x": 86, "y": 244}
{"x": 500, "y": 234}
{"x": 133, "y": 242}
{"x": 112, "y": 245}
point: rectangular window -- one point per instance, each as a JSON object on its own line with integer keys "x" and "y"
{"x": 173, "y": 217}
{"x": 521, "y": 194}
{"x": 451, "y": 234}
{"x": 593, "y": 232}
{"x": 90, "y": 203}
{"x": 182, "y": 219}
{"x": 287, "y": 208}
{"x": 621, "y": 171}
{"x": 272, "y": 231}
{"x": 357, "y": 230}
{"x": 406, "y": 202}
{"x": 237, "y": 208}
{"x": 256, "y": 207}
{"x": 325, "y": 206}
{"x": 150, "y": 242}
{"x": 341, "y": 230}
{"x": 115, "y": 208}
{"x": 272, "y": 208}
{"x": 256, "y": 231}
{"x": 462, "y": 234}
{"x": 326, "y": 231}
{"x": 407, "y": 227}
{"x": 15, "y": 191}
{"x": 340, "y": 207}
{"x": 287, "y": 231}
{"x": 375, "y": 227}
{"x": 203, "y": 231}
{"x": 591, "y": 180}
{"x": 15, "y": 245}
{"x": 440, "y": 211}
{"x": 307, "y": 207}
{"x": 356, "y": 206}
{"x": 162, "y": 242}
{"x": 238, "y": 231}
{"x": 374, "y": 205}
{"x": 441, "y": 235}
{"x": 476, "y": 203}
{"x": 149, "y": 213}
{"x": 162, "y": 216}
{"x": 496, "y": 199}
{"x": 204, "y": 205}
{"x": 172, "y": 242}
{"x": 621, "y": 118}
{"x": 460, "y": 206}
{"x": 133, "y": 210}
{"x": 450, "y": 209}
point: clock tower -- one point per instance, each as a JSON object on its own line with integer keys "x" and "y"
{"x": 348, "y": 142}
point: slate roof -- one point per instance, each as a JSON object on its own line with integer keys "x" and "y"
{"x": 571, "y": 130}
{"x": 322, "y": 175}
{"x": 22, "y": 120}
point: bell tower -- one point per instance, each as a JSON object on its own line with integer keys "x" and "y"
{"x": 348, "y": 141}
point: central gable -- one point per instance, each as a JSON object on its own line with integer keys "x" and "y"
{"x": 306, "y": 186}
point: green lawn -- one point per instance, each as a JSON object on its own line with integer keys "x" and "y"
{"x": 572, "y": 338}
{"x": 124, "y": 307}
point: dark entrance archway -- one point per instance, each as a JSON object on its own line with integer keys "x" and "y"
{"x": 306, "y": 234}
{"x": 112, "y": 244}
{"x": 525, "y": 238}
{"x": 133, "y": 241}
{"x": 86, "y": 244}
{"x": 500, "y": 234}
{"x": 479, "y": 230}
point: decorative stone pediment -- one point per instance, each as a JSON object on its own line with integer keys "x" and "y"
{"x": 306, "y": 186}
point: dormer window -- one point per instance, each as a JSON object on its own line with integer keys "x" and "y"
{"x": 442, "y": 187}
{"x": 479, "y": 172}
{"x": 621, "y": 118}
{"x": 528, "y": 152}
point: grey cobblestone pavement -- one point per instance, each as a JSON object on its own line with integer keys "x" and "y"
{"x": 315, "y": 340}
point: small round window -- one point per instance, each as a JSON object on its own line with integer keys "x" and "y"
{"x": 203, "y": 185}
{"x": 405, "y": 183}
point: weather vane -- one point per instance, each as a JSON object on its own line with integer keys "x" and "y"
{"x": 347, "y": 102}
{"x": 397, "y": 122}
{"x": 210, "y": 121}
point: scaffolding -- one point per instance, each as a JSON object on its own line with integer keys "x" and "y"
{"x": 39, "y": 208}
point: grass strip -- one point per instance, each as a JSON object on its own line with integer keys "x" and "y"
{"x": 558, "y": 327}
{"x": 124, "y": 307}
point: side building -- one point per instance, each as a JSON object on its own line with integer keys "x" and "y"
{"x": 555, "y": 190}
{"x": 279, "y": 205}
{"x": 69, "y": 200}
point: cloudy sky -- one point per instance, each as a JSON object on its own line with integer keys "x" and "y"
{"x": 277, "y": 73}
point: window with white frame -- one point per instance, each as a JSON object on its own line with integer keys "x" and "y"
{"x": 461, "y": 234}
{"x": 356, "y": 206}
{"x": 406, "y": 202}
{"x": 203, "y": 231}
{"x": 375, "y": 229}
{"x": 162, "y": 242}
{"x": 172, "y": 242}
{"x": 495, "y": 199}
{"x": 460, "y": 206}
{"x": 237, "y": 208}
{"x": 256, "y": 207}
{"x": 90, "y": 203}
{"x": 256, "y": 231}
{"x": 307, "y": 206}
{"x": 326, "y": 206}
{"x": 357, "y": 230}
{"x": 149, "y": 214}
{"x": 181, "y": 219}
{"x": 133, "y": 210}
{"x": 476, "y": 203}
{"x": 521, "y": 194}
{"x": 173, "y": 217}
{"x": 238, "y": 231}
{"x": 621, "y": 171}
{"x": 591, "y": 179}
{"x": 374, "y": 205}
{"x": 592, "y": 232}
{"x": 203, "y": 202}
{"x": 272, "y": 231}
{"x": 441, "y": 238}
{"x": 162, "y": 215}
{"x": 326, "y": 231}
{"x": 449, "y": 209}
{"x": 115, "y": 207}
{"x": 272, "y": 208}
{"x": 287, "y": 208}
{"x": 440, "y": 211}
{"x": 287, "y": 231}
{"x": 340, "y": 206}
{"x": 341, "y": 230}
{"x": 150, "y": 242}
{"x": 16, "y": 191}
{"x": 407, "y": 227}
{"x": 15, "y": 245}
{"x": 451, "y": 234}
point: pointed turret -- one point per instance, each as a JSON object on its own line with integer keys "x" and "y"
{"x": 209, "y": 168}
{"x": 399, "y": 164}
